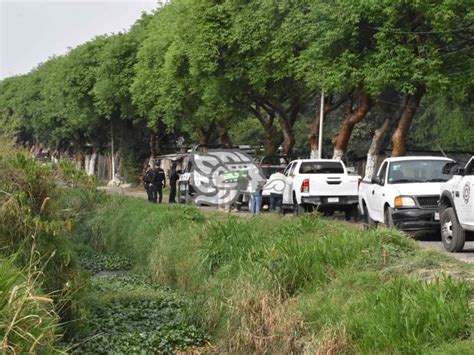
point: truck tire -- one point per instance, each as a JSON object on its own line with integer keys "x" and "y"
{"x": 387, "y": 217}
{"x": 298, "y": 209}
{"x": 369, "y": 222}
{"x": 452, "y": 234}
{"x": 352, "y": 212}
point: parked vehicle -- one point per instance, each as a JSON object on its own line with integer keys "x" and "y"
{"x": 321, "y": 184}
{"x": 404, "y": 193}
{"x": 456, "y": 206}
{"x": 216, "y": 176}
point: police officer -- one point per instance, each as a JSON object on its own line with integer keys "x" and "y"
{"x": 158, "y": 182}
{"x": 147, "y": 182}
{"x": 174, "y": 177}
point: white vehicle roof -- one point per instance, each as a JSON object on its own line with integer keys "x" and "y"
{"x": 317, "y": 160}
{"x": 417, "y": 158}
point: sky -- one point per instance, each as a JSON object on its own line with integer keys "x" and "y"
{"x": 31, "y": 31}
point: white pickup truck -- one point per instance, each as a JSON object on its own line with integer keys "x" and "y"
{"x": 456, "y": 207}
{"x": 320, "y": 184}
{"x": 404, "y": 193}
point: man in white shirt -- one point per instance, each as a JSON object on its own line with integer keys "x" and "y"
{"x": 276, "y": 186}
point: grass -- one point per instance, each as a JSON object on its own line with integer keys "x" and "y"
{"x": 280, "y": 285}
{"x": 28, "y": 322}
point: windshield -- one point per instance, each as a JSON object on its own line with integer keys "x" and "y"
{"x": 327, "y": 167}
{"x": 408, "y": 171}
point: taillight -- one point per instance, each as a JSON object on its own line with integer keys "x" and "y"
{"x": 359, "y": 182}
{"x": 305, "y": 185}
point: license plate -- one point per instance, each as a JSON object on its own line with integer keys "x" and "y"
{"x": 333, "y": 199}
{"x": 436, "y": 216}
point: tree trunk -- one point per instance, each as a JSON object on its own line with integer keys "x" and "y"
{"x": 78, "y": 158}
{"x": 288, "y": 136}
{"x": 272, "y": 137}
{"x": 399, "y": 137}
{"x": 273, "y": 140}
{"x": 376, "y": 147}
{"x": 92, "y": 162}
{"x": 352, "y": 117}
{"x": 205, "y": 134}
{"x": 224, "y": 136}
{"x": 155, "y": 149}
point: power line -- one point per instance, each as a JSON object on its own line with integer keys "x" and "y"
{"x": 382, "y": 29}
{"x": 456, "y": 51}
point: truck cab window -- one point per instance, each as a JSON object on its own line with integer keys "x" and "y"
{"x": 383, "y": 173}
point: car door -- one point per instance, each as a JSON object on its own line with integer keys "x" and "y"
{"x": 464, "y": 196}
{"x": 290, "y": 177}
{"x": 378, "y": 194}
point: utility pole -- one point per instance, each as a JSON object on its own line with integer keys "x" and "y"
{"x": 112, "y": 149}
{"x": 321, "y": 118}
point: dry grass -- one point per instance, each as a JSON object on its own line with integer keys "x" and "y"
{"x": 262, "y": 322}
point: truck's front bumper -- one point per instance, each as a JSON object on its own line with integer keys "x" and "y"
{"x": 330, "y": 201}
{"x": 413, "y": 219}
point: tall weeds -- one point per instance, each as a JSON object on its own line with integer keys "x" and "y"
{"x": 33, "y": 228}
{"x": 28, "y": 321}
{"x": 289, "y": 285}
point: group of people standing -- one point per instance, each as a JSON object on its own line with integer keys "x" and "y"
{"x": 274, "y": 186}
{"x": 154, "y": 180}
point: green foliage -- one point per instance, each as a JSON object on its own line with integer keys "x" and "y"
{"x": 193, "y": 67}
{"x": 28, "y": 322}
{"x": 138, "y": 324}
{"x": 444, "y": 125}
{"x": 126, "y": 313}
{"x": 284, "y": 280}
{"x": 94, "y": 262}
{"x": 30, "y": 219}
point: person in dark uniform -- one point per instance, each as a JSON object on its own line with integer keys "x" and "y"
{"x": 158, "y": 182}
{"x": 174, "y": 177}
{"x": 147, "y": 182}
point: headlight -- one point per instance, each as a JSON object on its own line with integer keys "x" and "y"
{"x": 404, "y": 201}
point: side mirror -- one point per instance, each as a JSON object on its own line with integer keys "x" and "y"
{"x": 451, "y": 168}
{"x": 376, "y": 180}
{"x": 461, "y": 171}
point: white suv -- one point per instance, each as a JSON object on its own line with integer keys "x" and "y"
{"x": 456, "y": 207}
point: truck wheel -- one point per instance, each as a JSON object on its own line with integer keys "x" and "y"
{"x": 298, "y": 209}
{"x": 352, "y": 212}
{"x": 369, "y": 222}
{"x": 452, "y": 234}
{"x": 387, "y": 218}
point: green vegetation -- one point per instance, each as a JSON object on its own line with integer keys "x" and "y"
{"x": 28, "y": 320}
{"x": 121, "y": 275}
{"x": 123, "y": 312}
{"x": 269, "y": 284}
{"x": 49, "y": 299}
{"x": 95, "y": 262}
{"x": 252, "y": 72}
